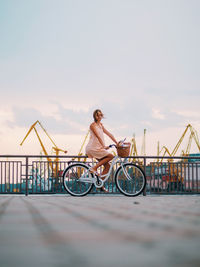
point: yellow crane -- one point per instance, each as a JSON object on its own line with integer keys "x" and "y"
{"x": 80, "y": 151}
{"x": 187, "y": 151}
{"x": 193, "y": 135}
{"x": 133, "y": 151}
{"x": 143, "y": 149}
{"x": 175, "y": 170}
{"x": 165, "y": 151}
{"x": 53, "y": 166}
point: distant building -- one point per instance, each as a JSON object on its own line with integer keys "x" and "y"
{"x": 194, "y": 155}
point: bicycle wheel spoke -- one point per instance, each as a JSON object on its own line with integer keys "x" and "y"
{"x": 130, "y": 179}
{"x": 72, "y": 182}
{"x": 74, "y": 173}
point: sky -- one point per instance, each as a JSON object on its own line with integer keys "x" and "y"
{"x": 136, "y": 60}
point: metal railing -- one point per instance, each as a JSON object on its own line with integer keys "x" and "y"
{"x": 32, "y": 174}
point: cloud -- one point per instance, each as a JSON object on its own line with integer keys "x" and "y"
{"x": 156, "y": 113}
{"x": 130, "y": 114}
{"x": 188, "y": 113}
{"x": 6, "y": 118}
{"x": 66, "y": 121}
{"x": 69, "y": 126}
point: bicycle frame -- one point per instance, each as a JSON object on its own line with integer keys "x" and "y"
{"x": 94, "y": 180}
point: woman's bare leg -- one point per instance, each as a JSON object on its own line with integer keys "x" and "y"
{"x": 106, "y": 169}
{"x": 104, "y": 162}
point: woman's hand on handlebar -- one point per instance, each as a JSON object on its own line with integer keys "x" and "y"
{"x": 113, "y": 145}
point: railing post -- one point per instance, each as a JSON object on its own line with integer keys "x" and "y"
{"x": 26, "y": 176}
{"x": 144, "y": 192}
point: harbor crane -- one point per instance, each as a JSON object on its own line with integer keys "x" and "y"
{"x": 193, "y": 135}
{"x": 53, "y": 164}
{"x": 143, "y": 148}
{"x": 133, "y": 151}
{"x": 175, "y": 171}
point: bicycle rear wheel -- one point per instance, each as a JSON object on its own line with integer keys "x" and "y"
{"x": 71, "y": 181}
{"x": 133, "y": 182}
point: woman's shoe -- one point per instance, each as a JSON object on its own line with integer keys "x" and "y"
{"x": 103, "y": 189}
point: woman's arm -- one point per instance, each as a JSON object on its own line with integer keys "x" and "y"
{"x": 109, "y": 134}
{"x": 93, "y": 128}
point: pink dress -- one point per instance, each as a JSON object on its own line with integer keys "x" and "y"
{"x": 94, "y": 148}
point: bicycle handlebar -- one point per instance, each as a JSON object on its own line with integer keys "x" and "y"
{"x": 112, "y": 145}
{"x": 122, "y": 142}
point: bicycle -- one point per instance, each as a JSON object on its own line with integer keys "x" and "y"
{"x": 129, "y": 178}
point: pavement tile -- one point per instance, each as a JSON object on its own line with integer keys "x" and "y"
{"x": 54, "y": 230}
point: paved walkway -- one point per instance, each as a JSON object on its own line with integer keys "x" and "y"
{"x": 99, "y": 231}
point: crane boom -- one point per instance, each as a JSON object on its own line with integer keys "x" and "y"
{"x": 43, "y": 148}
{"x": 133, "y": 147}
{"x": 143, "y": 149}
{"x": 31, "y": 128}
{"x": 195, "y": 136}
{"x": 55, "y": 148}
{"x": 79, "y": 154}
{"x": 180, "y": 140}
{"x": 47, "y": 134}
{"x": 189, "y": 145}
{"x": 166, "y": 151}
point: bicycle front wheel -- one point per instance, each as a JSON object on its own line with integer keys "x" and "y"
{"x": 71, "y": 180}
{"x": 130, "y": 180}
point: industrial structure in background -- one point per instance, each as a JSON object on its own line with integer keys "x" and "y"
{"x": 170, "y": 173}
{"x": 193, "y": 136}
{"x": 143, "y": 149}
{"x": 165, "y": 173}
{"x": 164, "y": 151}
{"x": 54, "y": 164}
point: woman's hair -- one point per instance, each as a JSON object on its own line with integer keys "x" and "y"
{"x": 95, "y": 113}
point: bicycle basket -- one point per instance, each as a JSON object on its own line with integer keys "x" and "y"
{"x": 123, "y": 150}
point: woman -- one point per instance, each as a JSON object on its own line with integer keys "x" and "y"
{"x": 96, "y": 146}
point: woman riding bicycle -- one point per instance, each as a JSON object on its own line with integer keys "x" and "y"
{"x": 96, "y": 146}
{"x": 79, "y": 179}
